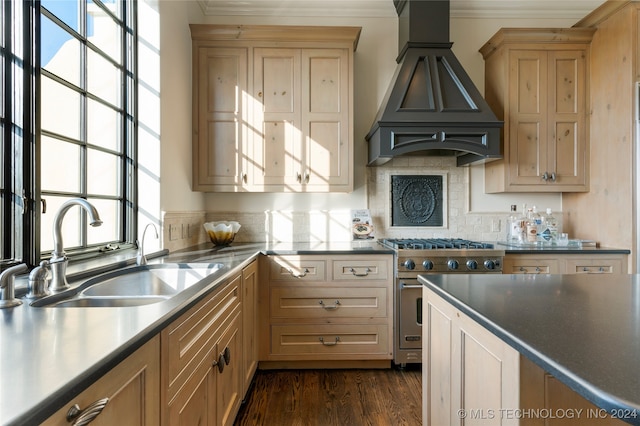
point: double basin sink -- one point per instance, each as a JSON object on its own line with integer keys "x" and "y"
{"x": 135, "y": 286}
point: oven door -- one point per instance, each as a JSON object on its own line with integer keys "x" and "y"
{"x": 410, "y": 313}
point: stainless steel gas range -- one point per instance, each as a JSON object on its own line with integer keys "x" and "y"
{"x": 430, "y": 256}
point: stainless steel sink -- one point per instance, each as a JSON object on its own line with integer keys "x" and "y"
{"x": 104, "y": 302}
{"x": 135, "y": 286}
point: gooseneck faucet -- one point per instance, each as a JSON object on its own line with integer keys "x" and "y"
{"x": 58, "y": 261}
{"x": 141, "y": 259}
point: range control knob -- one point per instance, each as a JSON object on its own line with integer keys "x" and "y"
{"x": 490, "y": 264}
{"x": 452, "y": 264}
{"x": 427, "y": 265}
{"x": 409, "y": 264}
{"x": 472, "y": 264}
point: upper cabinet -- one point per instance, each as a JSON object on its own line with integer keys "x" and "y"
{"x": 536, "y": 80}
{"x": 273, "y": 108}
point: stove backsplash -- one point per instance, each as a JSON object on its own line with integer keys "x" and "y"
{"x": 184, "y": 229}
{"x": 457, "y": 222}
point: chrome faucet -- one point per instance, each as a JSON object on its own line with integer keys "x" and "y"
{"x": 58, "y": 261}
{"x": 8, "y": 286}
{"x": 141, "y": 259}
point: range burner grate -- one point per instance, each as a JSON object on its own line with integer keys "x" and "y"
{"x": 435, "y": 244}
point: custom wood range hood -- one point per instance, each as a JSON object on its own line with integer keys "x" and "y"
{"x": 431, "y": 107}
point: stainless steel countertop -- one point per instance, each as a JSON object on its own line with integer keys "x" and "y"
{"x": 51, "y": 354}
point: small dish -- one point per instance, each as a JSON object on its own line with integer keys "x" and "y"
{"x": 222, "y": 233}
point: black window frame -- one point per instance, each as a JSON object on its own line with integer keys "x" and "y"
{"x": 22, "y": 201}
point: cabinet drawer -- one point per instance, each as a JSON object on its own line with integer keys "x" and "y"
{"x": 296, "y": 268}
{"x": 327, "y": 302}
{"x": 360, "y": 270}
{"x": 586, "y": 266}
{"x": 530, "y": 264}
{"x": 186, "y": 342}
{"x": 330, "y": 341}
{"x": 530, "y": 269}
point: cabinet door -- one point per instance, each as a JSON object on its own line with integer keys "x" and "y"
{"x": 221, "y": 77}
{"x": 192, "y": 404}
{"x": 228, "y": 388}
{"x": 325, "y": 119}
{"x": 131, "y": 387}
{"x": 567, "y": 154}
{"x": 277, "y": 144}
{"x": 249, "y": 324}
{"x": 466, "y": 369}
{"x": 527, "y": 116}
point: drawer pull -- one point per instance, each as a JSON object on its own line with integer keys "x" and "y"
{"x": 330, "y": 307}
{"x": 78, "y": 417}
{"x": 329, "y": 343}
{"x": 302, "y": 275}
{"x": 356, "y": 274}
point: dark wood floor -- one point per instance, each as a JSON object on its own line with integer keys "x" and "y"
{"x": 334, "y": 398}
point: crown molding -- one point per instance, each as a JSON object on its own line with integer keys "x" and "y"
{"x": 568, "y": 9}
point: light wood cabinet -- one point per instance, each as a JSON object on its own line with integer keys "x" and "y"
{"x": 249, "y": 324}
{"x": 327, "y": 308}
{"x": 541, "y": 392}
{"x": 273, "y": 108}
{"x": 131, "y": 388}
{"x": 614, "y": 69}
{"x": 202, "y": 372}
{"x": 196, "y": 371}
{"x": 565, "y": 264}
{"x": 220, "y": 79}
{"x": 466, "y": 369}
{"x": 536, "y": 80}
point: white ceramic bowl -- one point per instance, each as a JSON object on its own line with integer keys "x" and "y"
{"x": 222, "y": 233}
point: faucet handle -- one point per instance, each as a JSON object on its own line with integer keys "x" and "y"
{"x": 38, "y": 281}
{"x": 8, "y": 286}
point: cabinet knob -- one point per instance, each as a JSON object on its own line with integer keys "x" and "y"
{"x": 545, "y": 176}
{"x": 220, "y": 363}
{"x": 227, "y": 355}
{"x": 259, "y": 94}
{"x": 78, "y": 417}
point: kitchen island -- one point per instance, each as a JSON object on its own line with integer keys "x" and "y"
{"x": 580, "y": 331}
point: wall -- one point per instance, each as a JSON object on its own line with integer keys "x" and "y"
{"x": 374, "y": 67}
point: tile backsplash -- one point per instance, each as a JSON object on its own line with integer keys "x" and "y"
{"x": 185, "y": 229}
{"x": 458, "y": 221}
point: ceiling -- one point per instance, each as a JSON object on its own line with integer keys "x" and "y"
{"x": 575, "y": 9}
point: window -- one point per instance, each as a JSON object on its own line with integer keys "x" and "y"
{"x": 17, "y": 129}
{"x": 84, "y": 92}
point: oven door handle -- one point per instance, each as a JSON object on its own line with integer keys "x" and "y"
{"x": 403, "y": 285}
